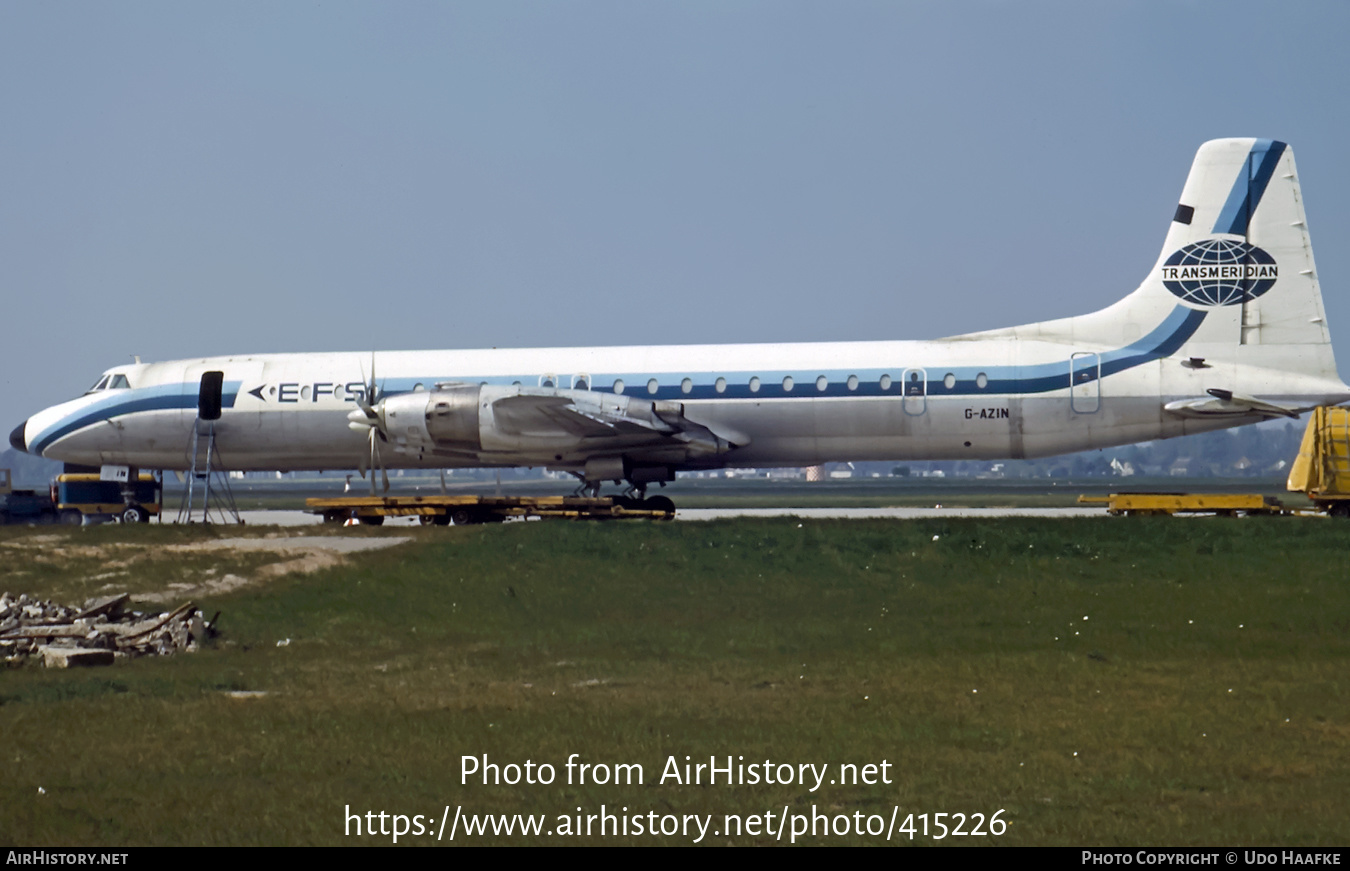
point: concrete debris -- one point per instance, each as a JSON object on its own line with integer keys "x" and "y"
{"x": 96, "y": 632}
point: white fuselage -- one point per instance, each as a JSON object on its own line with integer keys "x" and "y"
{"x": 788, "y": 405}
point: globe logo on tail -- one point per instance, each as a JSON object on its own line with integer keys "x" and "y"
{"x": 1219, "y": 272}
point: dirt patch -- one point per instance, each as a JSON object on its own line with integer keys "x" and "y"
{"x": 305, "y": 554}
{"x": 65, "y": 567}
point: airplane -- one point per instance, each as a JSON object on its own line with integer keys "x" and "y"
{"x": 1226, "y": 329}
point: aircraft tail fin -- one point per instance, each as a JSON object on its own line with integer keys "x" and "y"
{"x": 1238, "y": 247}
{"x": 1235, "y": 273}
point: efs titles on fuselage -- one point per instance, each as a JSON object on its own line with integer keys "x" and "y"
{"x": 295, "y": 392}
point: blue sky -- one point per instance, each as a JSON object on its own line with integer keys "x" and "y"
{"x": 187, "y": 179}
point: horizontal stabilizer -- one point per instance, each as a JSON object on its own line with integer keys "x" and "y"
{"x": 1226, "y": 403}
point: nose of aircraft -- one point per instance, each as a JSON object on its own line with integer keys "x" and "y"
{"x": 16, "y": 438}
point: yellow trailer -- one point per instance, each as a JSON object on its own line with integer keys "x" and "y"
{"x": 461, "y": 510}
{"x": 1322, "y": 468}
{"x": 1222, "y": 504}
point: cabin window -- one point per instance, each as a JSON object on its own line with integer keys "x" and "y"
{"x": 720, "y": 385}
{"x": 618, "y": 385}
{"x": 547, "y": 381}
{"x": 581, "y": 382}
{"x": 418, "y": 387}
{"x": 982, "y": 381}
{"x": 948, "y": 380}
{"x": 822, "y": 382}
{"x": 754, "y": 384}
{"x": 853, "y": 382}
{"x": 885, "y": 382}
{"x": 652, "y": 386}
{"x": 787, "y": 383}
{"x": 686, "y": 386}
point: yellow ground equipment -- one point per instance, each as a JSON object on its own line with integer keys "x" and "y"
{"x": 442, "y": 510}
{"x": 1222, "y": 504}
{"x": 77, "y": 495}
{"x": 1322, "y": 468}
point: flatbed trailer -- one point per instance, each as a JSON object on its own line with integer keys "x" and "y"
{"x": 1222, "y": 504}
{"x": 463, "y": 510}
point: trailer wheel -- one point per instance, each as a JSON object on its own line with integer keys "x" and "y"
{"x": 70, "y": 517}
{"x": 465, "y": 517}
{"x": 441, "y": 519}
{"x": 660, "y": 503}
{"x": 371, "y": 519}
{"x": 1339, "y": 509}
{"x": 135, "y": 514}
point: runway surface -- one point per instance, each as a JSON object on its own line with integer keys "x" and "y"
{"x": 301, "y": 518}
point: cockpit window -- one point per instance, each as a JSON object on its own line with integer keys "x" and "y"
{"x": 116, "y": 381}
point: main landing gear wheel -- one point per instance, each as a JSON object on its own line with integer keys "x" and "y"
{"x": 135, "y": 514}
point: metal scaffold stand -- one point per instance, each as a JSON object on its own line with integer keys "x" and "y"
{"x": 206, "y": 472}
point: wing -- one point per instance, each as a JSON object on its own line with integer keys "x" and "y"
{"x": 607, "y": 421}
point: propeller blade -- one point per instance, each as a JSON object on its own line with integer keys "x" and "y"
{"x": 374, "y": 460}
{"x": 366, "y": 402}
{"x": 370, "y": 420}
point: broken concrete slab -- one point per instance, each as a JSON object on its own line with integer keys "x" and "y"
{"x": 72, "y": 657}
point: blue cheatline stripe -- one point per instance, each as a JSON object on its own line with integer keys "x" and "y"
{"x": 1162, "y": 341}
{"x": 1249, "y": 186}
{"x": 165, "y": 397}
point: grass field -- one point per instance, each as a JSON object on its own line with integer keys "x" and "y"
{"x": 1128, "y": 681}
